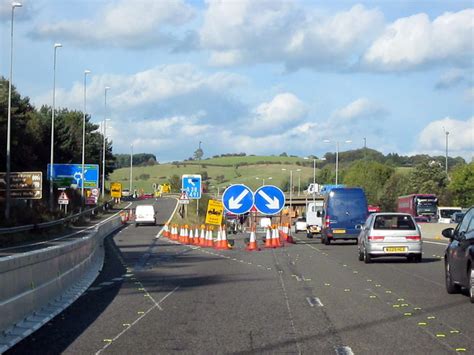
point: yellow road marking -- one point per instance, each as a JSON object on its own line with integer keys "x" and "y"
{"x": 441, "y": 335}
{"x": 347, "y": 290}
{"x": 422, "y": 323}
{"x": 108, "y": 340}
{"x": 140, "y": 312}
{"x": 454, "y": 331}
{"x": 461, "y": 350}
{"x": 372, "y": 296}
{"x": 407, "y": 314}
{"x": 431, "y": 317}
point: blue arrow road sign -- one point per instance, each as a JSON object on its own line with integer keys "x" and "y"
{"x": 65, "y": 175}
{"x": 191, "y": 184}
{"x": 269, "y": 199}
{"x": 237, "y": 199}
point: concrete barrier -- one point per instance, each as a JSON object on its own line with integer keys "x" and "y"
{"x": 37, "y": 285}
{"x": 433, "y": 230}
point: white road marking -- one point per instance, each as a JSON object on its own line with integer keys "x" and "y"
{"x": 436, "y": 243}
{"x": 137, "y": 320}
{"x": 344, "y": 350}
{"x": 314, "y": 301}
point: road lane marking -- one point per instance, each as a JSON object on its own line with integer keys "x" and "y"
{"x": 143, "y": 314}
{"x": 435, "y": 243}
{"x": 344, "y": 350}
{"x": 314, "y": 301}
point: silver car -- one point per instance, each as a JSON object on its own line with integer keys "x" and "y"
{"x": 390, "y": 234}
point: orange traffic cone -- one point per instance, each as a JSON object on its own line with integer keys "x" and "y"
{"x": 191, "y": 236}
{"x": 165, "y": 231}
{"x": 186, "y": 234}
{"x": 289, "y": 238}
{"x": 202, "y": 238}
{"x": 196, "y": 235}
{"x": 223, "y": 245}
{"x": 252, "y": 245}
{"x": 209, "y": 239}
{"x": 275, "y": 238}
{"x": 268, "y": 238}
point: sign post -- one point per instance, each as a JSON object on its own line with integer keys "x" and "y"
{"x": 23, "y": 185}
{"x": 70, "y": 175}
{"x": 192, "y": 185}
{"x": 116, "y": 191}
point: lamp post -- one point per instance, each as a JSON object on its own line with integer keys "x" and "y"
{"x": 105, "y": 140}
{"x": 446, "y": 165}
{"x": 53, "y": 113}
{"x": 131, "y": 168}
{"x": 7, "y": 177}
{"x": 263, "y": 179}
{"x": 337, "y": 155}
{"x": 299, "y": 181}
{"x": 84, "y": 134}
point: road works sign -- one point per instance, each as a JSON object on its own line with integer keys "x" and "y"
{"x": 116, "y": 190}
{"x": 215, "y": 209}
{"x": 63, "y": 199}
{"x": 269, "y": 199}
{"x": 192, "y": 185}
{"x": 70, "y": 175}
{"x": 237, "y": 199}
{"x": 23, "y": 185}
{"x": 183, "y": 199}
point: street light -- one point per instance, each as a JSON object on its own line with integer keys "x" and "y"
{"x": 337, "y": 154}
{"x": 7, "y": 177}
{"x": 263, "y": 179}
{"x": 131, "y": 166}
{"x": 53, "y": 113}
{"x": 105, "y": 140}
{"x": 446, "y": 166}
{"x": 84, "y": 134}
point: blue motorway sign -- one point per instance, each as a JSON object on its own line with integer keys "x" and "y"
{"x": 237, "y": 199}
{"x": 70, "y": 175}
{"x": 269, "y": 199}
{"x": 191, "y": 184}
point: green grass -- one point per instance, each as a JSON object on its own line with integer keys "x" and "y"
{"x": 403, "y": 170}
{"x": 246, "y": 174}
{"x": 246, "y": 159}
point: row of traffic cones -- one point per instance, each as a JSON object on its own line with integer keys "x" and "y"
{"x": 276, "y": 237}
{"x": 203, "y": 236}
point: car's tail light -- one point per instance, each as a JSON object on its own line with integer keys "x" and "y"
{"x": 374, "y": 238}
{"x": 413, "y": 237}
{"x": 328, "y": 221}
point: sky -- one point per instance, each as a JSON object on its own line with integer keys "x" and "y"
{"x": 254, "y": 76}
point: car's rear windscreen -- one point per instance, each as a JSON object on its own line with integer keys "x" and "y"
{"x": 394, "y": 222}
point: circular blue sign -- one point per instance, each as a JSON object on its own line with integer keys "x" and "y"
{"x": 269, "y": 199}
{"x": 237, "y": 199}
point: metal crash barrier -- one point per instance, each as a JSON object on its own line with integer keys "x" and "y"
{"x": 37, "y": 285}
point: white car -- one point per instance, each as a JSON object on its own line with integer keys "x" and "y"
{"x": 300, "y": 224}
{"x": 145, "y": 214}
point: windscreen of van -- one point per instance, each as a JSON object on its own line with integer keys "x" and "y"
{"x": 347, "y": 206}
{"x": 447, "y": 212}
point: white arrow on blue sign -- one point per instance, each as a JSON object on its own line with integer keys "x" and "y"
{"x": 237, "y": 199}
{"x": 191, "y": 184}
{"x": 269, "y": 199}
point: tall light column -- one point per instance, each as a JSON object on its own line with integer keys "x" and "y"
{"x": 53, "y": 113}
{"x": 337, "y": 155}
{"x": 84, "y": 134}
{"x": 105, "y": 140}
{"x": 447, "y": 134}
{"x": 7, "y": 177}
{"x": 131, "y": 168}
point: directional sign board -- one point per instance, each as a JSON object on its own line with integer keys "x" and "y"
{"x": 191, "y": 184}
{"x": 23, "y": 185}
{"x": 70, "y": 175}
{"x": 269, "y": 199}
{"x": 237, "y": 199}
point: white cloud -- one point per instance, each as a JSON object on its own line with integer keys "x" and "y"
{"x": 123, "y": 23}
{"x": 454, "y": 77}
{"x": 283, "y": 111}
{"x": 249, "y": 31}
{"x": 460, "y": 139}
{"x": 412, "y": 42}
{"x": 360, "y": 109}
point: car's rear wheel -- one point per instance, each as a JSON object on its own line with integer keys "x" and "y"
{"x": 361, "y": 255}
{"x": 309, "y": 235}
{"x": 136, "y": 224}
{"x": 367, "y": 257}
{"x": 418, "y": 258}
{"x": 471, "y": 285}
{"x": 327, "y": 241}
{"x": 451, "y": 287}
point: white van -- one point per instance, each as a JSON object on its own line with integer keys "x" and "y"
{"x": 445, "y": 213}
{"x": 145, "y": 214}
{"x": 314, "y": 217}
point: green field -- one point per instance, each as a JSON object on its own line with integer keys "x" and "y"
{"x": 246, "y": 174}
{"x": 258, "y": 159}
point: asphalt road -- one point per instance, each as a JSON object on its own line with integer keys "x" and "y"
{"x": 156, "y": 296}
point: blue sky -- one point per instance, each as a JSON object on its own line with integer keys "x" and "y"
{"x": 261, "y": 77}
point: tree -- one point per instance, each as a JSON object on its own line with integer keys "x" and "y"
{"x": 462, "y": 185}
{"x": 325, "y": 176}
{"x": 427, "y": 178}
{"x": 369, "y": 175}
{"x": 198, "y": 154}
{"x": 175, "y": 182}
{"x": 396, "y": 185}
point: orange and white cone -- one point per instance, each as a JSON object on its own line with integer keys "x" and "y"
{"x": 268, "y": 238}
{"x": 196, "y": 235}
{"x": 191, "y": 236}
{"x": 223, "y": 245}
{"x": 175, "y": 233}
{"x": 186, "y": 234}
{"x": 202, "y": 238}
{"x": 252, "y": 245}
{"x": 275, "y": 238}
{"x": 210, "y": 238}
{"x": 166, "y": 230}
{"x": 217, "y": 244}
{"x": 289, "y": 238}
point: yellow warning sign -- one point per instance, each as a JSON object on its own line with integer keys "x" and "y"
{"x": 116, "y": 190}
{"x": 215, "y": 209}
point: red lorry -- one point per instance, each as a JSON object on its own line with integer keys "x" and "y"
{"x": 423, "y": 207}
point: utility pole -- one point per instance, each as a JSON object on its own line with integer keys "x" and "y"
{"x": 446, "y": 165}
{"x": 131, "y": 168}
